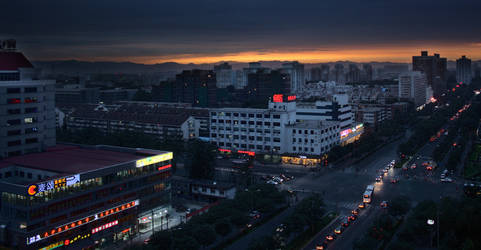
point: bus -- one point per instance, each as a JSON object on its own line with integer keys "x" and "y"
{"x": 367, "y": 196}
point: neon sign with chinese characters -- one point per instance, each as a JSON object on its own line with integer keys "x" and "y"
{"x": 291, "y": 98}
{"x": 78, "y": 223}
{"x": 250, "y": 153}
{"x": 154, "y": 159}
{"x": 52, "y": 184}
{"x": 277, "y": 98}
{"x": 105, "y": 226}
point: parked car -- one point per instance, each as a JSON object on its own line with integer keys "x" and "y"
{"x": 413, "y": 166}
{"x": 330, "y": 237}
{"x": 355, "y": 211}
{"x": 345, "y": 222}
{"x": 338, "y": 230}
{"x": 321, "y": 246}
{"x": 361, "y": 205}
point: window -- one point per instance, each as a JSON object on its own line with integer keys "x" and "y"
{"x": 259, "y": 138}
{"x": 31, "y": 90}
{"x": 294, "y": 131}
{"x": 312, "y": 132}
{"x": 214, "y": 120}
{"x": 267, "y": 116}
{"x": 259, "y": 116}
{"x": 29, "y": 175}
{"x": 213, "y": 113}
{"x": 251, "y": 115}
{"x": 236, "y": 114}
{"x": 204, "y": 189}
{"x": 267, "y": 123}
{"x": 13, "y": 111}
{"x": 31, "y": 140}
{"x": 13, "y": 122}
{"x": 22, "y": 174}
{"x": 14, "y": 143}
{"x": 293, "y": 148}
{"x": 30, "y": 99}
{"x": 243, "y": 114}
{"x": 244, "y": 122}
{"x": 30, "y": 110}
{"x": 267, "y": 139}
{"x": 259, "y": 123}
{"x": 293, "y": 139}
{"x": 277, "y": 116}
{"x": 243, "y": 137}
{"x": 259, "y": 147}
{"x": 277, "y": 124}
{"x": 251, "y": 122}
{"x": 29, "y": 120}
{"x": 227, "y": 114}
{"x": 14, "y": 101}
{"x": 13, "y": 90}
{"x": 13, "y": 132}
{"x": 276, "y": 139}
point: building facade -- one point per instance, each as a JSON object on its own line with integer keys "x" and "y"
{"x": 296, "y": 73}
{"x": 414, "y": 86}
{"x": 435, "y": 69}
{"x": 463, "y": 70}
{"x": 27, "y": 107}
{"x": 82, "y": 197}
{"x": 333, "y": 108}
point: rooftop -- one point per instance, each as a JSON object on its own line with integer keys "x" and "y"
{"x": 13, "y": 60}
{"x": 68, "y": 159}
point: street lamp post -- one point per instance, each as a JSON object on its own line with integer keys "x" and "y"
{"x": 430, "y": 222}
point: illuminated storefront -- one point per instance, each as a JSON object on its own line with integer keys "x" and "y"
{"x": 96, "y": 202}
{"x": 351, "y": 135}
{"x": 161, "y": 218}
{"x": 304, "y": 160}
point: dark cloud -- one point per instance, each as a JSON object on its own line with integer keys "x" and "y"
{"x": 89, "y": 28}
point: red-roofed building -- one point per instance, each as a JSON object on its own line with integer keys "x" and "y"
{"x": 29, "y": 108}
{"x": 72, "y": 192}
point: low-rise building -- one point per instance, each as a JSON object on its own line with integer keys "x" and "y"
{"x": 82, "y": 196}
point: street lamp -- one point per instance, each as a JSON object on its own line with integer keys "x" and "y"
{"x": 430, "y": 222}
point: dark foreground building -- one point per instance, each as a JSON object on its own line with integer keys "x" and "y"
{"x": 81, "y": 197}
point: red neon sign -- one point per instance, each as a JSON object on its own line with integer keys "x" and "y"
{"x": 105, "y": 226}
{"x": 277, "y": 98}
{"x": 224, "y": 150}
{"x": 291, "y": 98}
{"x": 164, "y": 167}
{"x": 77, "y": 223}
{"x": 250, "y": 153}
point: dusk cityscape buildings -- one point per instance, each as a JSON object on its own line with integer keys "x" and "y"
{"x": 240, "y": 125}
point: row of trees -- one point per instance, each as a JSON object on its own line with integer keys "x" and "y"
{"x": 459, "y": 225}
{"x": 306, "y": 216}
{"x": 384, "y": 227}
{"x": 220, "y": 221}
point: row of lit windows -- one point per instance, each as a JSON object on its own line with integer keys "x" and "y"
{"x": 249, "y": 146}
{"x": 243, "y": 122}
{"x": 234, "y": 114}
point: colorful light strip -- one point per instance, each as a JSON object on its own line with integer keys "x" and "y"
{"x": 164, "y": 167}
{"x": 105, "y": 226}
{"x": 154, "y": 159}
{"x": 82, "y": 221}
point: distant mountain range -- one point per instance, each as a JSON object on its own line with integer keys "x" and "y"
{"x": 84, "y": 67}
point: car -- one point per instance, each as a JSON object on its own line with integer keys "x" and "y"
{"x": 352, "y": 217}
{"x": 272, "y": 182}
{"x": 248, "y": 225}
{"x": 338, "y": 230}
{"x": 147, "y": 241}
{"x": 413, "y": 166}
{"x": 394, "y": 180}
{"x": 345, "y": 222}
{"x": 429, "y": 168}
{"x": 447, "y": 179}
{"x": 384, "y": 171}
{"x": 330, "y": 237}
{"x": 255, "y": 214}
{"x": 355, "y": 211}
{"x": 384, "y": 204}
{"x": 378, "y": 179}
{"x": 321, "y": 246}
{"x": 281, "y": 228}
{"x": 443, "y": 176}
{"x": 361, "y": 205}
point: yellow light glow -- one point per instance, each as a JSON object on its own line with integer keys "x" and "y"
{"x": 154, "y": 159}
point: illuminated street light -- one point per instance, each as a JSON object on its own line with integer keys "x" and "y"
{"x": 430, "y": 222}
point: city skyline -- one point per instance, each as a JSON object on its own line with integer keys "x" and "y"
{"x": 212, "y": 31}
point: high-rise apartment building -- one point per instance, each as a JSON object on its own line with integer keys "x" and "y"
{"x": 296, "y": 72}
{"x": 224, "y": 75}
{"x": 315, "y": 74}
{"x": 413, "y": 85}
{"x": 28, "y": 108}
{"x": 367, "y": 68}
{"x": 463, "y": 70}
{"x": 435, "y": 69}
{"x": 354, "y": 74}
{"x": 265, "y": 83}
{"x": 325, "y": 73}
{"x": 197, "y": 87}
{"x": 338, "y": 74}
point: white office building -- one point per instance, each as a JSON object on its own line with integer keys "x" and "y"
{"x": 414, "y": 85}
{"x": 271, "y": 130}
{"x": 27, "y": 105}
{"x": 332, "y": 108}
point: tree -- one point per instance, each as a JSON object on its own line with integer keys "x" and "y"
{"x": 185, "y": 242}
{"x": 399, "y": 205}
{"x": 200, "y": 160}
{"x": 223, "y": 227}
{"x": 263, "y": 243}
{"x": 162, "y": 240}
{"x": 205, "y": 234}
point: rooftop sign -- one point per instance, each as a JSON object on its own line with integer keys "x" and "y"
{"x": 154, "y": 159}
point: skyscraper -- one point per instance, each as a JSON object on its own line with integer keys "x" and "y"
{"x": 325, "y": 72}
{"x": 413, "y": 85}
{"x": 224, "y": 75}
{"x": 367, "y": 68}
{"x": 435, "y": 68}
{"x": 463, "y": 70}
{"x": 197, "y": 87}
{"x": 315, "y": 74}
{"x": 28, "y": 105}
{"x": 354, "y": 74}
{"x": 338, "y": 75}
{"x": 296, "y": 72}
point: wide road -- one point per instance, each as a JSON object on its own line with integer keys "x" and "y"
{"x": 342, "y": 189}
